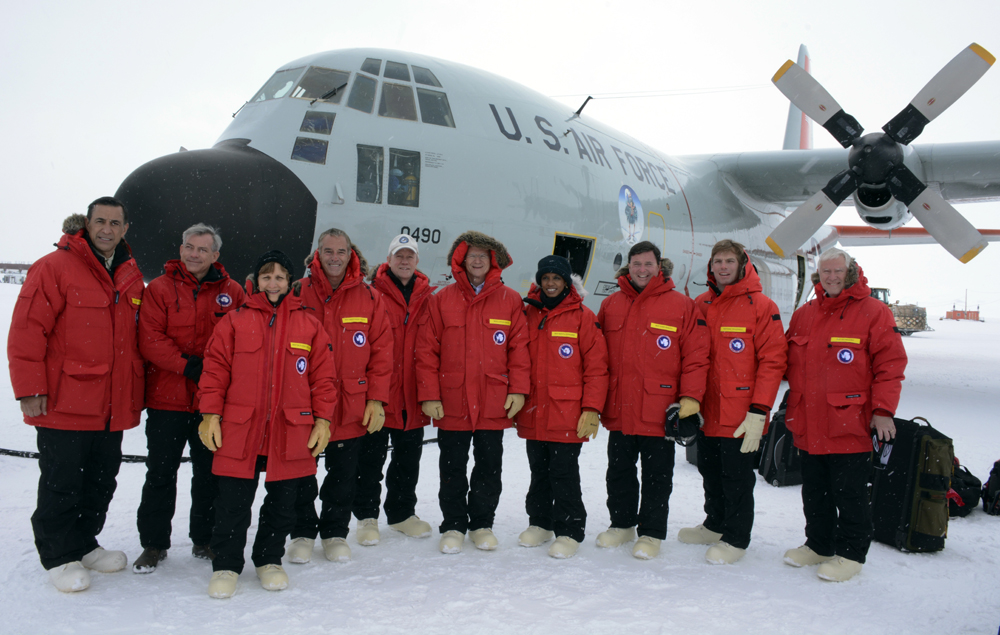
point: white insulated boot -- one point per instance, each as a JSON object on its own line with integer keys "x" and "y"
{"x": 699, "y": 535}
{"x": 615, "y": 537}
{"x": 804, "y": 557}
{"x": 838, "y": 569}
{"x": 336, "y": 550}
{"x": 272, "y": 577}
{"x": 300, "y": 550}
{"x": 564, "y": 547}
{"x": 484, "y": 539}
{"x": 646, "y": 548}
{"x": 451, "y": 541}
{"x": 724, "y": 553}
{"x": 70, "y": 577}
{"x": 223, "y": 584}
{"x": 367, "y": 532}
{"x": 105, "y": 561}
{"x": 534, "y": 536}
{"x": 413, "y": 527}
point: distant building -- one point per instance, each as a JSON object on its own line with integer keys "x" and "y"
{"x": 13, "y": 272}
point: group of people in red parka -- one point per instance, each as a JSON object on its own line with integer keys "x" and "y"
{"x": 343, "y": 362}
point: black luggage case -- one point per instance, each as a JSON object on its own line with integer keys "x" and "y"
{"x": 909, "y": 488}
{"x": 780, "y": 460}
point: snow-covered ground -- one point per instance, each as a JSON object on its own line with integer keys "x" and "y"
{"x": 405, "y": 585}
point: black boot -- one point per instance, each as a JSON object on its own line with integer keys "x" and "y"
{"x": 146, "y": 563}
{"x": 202, "y": 551}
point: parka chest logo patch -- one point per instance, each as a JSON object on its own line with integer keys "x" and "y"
{"x": 845, "y": 356}
{"x": 663, "y": 342}
{"x": 499, "y": 337}
{"x": 566, "y": 351}
{"x": 301, "y": 365}
{"x": 224, "y": 300}
{"x": 359, "y": 339}
{"x": 737, "y": 345}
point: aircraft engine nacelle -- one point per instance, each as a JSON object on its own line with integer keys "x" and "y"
{"x": 878, "y": 208}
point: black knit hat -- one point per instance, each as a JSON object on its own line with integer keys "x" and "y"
{"x": 557, "y": 265}
{"x": 278, "y": 257}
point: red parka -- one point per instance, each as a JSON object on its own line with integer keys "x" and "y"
{"x": 748, "y": 352}
{"x": 178, "y": 316}
{"x": 269, "y": 373}
{"x": 403, "y": 318}
{"x": 569, "y": 369}
{"x": 355, "y": 319}
{"x": 657, "y": 353}
{"x": 73, "y": 337}
{"x": 472, "y": 351}
{"x": 845, "y": 360}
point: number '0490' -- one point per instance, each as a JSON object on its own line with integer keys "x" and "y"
{"x": 422, "y": 234}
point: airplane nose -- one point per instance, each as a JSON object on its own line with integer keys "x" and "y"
{"x": 255, "y": 202}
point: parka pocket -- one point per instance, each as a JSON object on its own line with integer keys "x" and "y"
{"x": 453, "y": 394}
{"x": 846, "y": 414}
{"x": 795, "y": 413}
{"x": 235, "y": 431}
{"x": 248, "y": 340}
{"x": 494, "y": 397}
{"x": 657, "y": 396}
{"x": 82, "y": 388}
{"x": 353, "y": 393}
{"x": 565, "y": 411}
{"x": 138, "y": 385}
{"x": 299, "y": 426}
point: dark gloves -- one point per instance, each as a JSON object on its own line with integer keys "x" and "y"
{"x": 192, "y": 370}
{"x": 683, "y": 421}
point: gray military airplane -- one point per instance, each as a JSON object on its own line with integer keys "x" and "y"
{"x": 380, "y": 142}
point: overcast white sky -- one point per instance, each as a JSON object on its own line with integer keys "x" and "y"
{"x": 95, "y": 89}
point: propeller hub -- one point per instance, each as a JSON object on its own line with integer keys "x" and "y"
{"x": 873, "y": 156}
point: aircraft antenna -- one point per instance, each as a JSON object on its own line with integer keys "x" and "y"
{"x": 239, "y": 109}
{"x": 585, "y": 102}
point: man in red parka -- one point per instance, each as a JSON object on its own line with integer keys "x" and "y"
{"x": 180, "y": 310}
{"x": 76, "y": 369}
{"x": 845, "y": 372}
{"x": 267, "y": 394}
{"x": 569, "y": 383}
{"x": 405, "y": 292}
{"x": 473, "y": 372}
{"x": 747, "y": 363}
{"x": 658, "y": 354}
{"x": 355, "y": 319}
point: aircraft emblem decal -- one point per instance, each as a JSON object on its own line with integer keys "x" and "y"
{"x": 359, "y": 339}
{"x": 300, "y": 365}
{"x": 845, "y": 356}
{"x": 630, "y": 214}
{"x": 737, "y": 345}
{"x": 663, "y": 342}
{"x": 499, "y": 338}
{"x": 566, "y": 351}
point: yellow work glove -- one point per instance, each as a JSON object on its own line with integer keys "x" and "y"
{"x": 513, "y": 404}
{"x": 210, "y": 432}
{"x": 751, "y": 429}
{"x": 433, "y": 409}
{"x": 588, "y": 425}
{"x": 374, "y": 417}
{"x": 689, "y": 407}
{"x": 320, "y": 436}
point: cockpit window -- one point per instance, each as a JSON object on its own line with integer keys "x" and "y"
{"x": 404, "y": 177}
{"x": 310, "y": 150}
{"x": 372, "y": 65}
{"x": 319, "y": 83}
{"x": 362, "y": 94}
{"x": 369, "y": 187}
{"x": 396, "y": 70}
{"x": 279, "y": 85}
{"x": 397, "y": 102}
{"x": 422, "y": 75}
{"x": 434, "y": 108}
{"x": 317, "y": 122}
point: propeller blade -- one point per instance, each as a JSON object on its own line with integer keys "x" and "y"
{"x": 807, "y": 218}
{"x": 939, "y": 218}
{"x": 810, "y": 97}
{"x": 940, "y": 93}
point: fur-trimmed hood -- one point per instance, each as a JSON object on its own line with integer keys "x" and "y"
{"x": 478, "y": 239}
{"x": 362, "y": 263}
{"x": 666, "y": 269}
{"x": 74, "y": 223}
{"x": 850, "y": 279}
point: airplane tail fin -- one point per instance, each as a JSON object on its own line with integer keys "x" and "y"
{"x": 798, "y": 130}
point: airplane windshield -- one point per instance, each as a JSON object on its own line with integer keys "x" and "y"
{"x": 319, "y": 82}
{"x": 279, "y": 85}
{"x": 396, "y": 70}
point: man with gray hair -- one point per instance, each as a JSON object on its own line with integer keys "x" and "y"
{"x": 845, "y": 374}
{"x": 179, "y": 313}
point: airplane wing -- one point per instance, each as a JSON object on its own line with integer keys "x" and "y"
{"x": 960, "y": 172}
{"x": 864, "y": 236}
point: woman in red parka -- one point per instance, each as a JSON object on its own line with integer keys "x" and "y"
{"x": 747, "y": 362}
{"x": 845, "y": 373}
{"x": 569, "y": 383}
{"x": 267, "y": 396}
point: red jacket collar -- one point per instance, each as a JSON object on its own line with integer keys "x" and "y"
{"x": 856, "y": 291}
{"x": 749, "y": 283}
{"x": 382, "y": 282}
{"x": 462, "y": 278}
{"x": 656, "y": 286}
{"x": 352, "y": 277}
